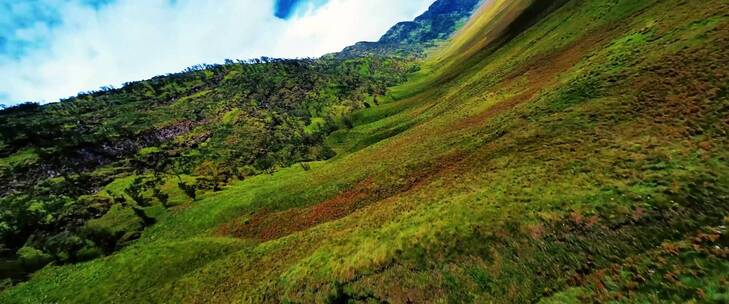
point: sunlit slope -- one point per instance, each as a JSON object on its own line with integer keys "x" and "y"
{"x": 494, "y": 24}
{"x": 589, "y": 138}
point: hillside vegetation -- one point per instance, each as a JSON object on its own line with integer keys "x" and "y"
{"x": 82, "y": 178}
{"x": 553, "y": 151}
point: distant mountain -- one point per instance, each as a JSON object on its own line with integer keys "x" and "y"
{"x": 439, "y": 22}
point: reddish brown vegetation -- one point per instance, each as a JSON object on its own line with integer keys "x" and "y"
{"x": 269, "y": 225}
{"x": 541, "y": 73}
{"x": 681, "y": 93}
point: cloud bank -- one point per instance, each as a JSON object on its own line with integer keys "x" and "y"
{"x": 52, "y": 49}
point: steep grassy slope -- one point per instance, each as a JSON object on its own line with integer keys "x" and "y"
{"x": 514, "y": 172}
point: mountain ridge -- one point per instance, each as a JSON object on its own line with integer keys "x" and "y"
{"x": 412, "y": 38}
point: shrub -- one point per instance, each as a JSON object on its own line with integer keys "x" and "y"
{"x": 65, "y": 246}
{"x": 146, "y": 220}
{"x": 161, "y": 196}
{"x": 33, "y": 259}
{"x": 135, "y": 192}
{"x": 188, "y": 189}
{"x": 105, "y": 239}
{"x": 88, "y": 253}
{"x": 347, "y": 121}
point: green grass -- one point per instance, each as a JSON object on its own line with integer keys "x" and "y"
{"x": 588, "y": 140}
{"x": 692, "y": 270}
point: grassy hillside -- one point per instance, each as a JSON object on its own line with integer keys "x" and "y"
{"x": 571, "y": 156}
{"x": 82, "y": 177}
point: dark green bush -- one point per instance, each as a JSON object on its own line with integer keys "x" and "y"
{"x": 33, "y": 259}
{"x": 188, "y": 189}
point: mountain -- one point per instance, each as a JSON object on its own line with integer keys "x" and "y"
{"x": 410, "y": 38}
{"x": 550, "y": 151}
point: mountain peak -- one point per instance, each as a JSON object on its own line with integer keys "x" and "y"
{"x": 439, "y": 22}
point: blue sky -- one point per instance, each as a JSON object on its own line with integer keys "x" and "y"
{"x": 285, "y": 8}
{"x": 52, "y": 49}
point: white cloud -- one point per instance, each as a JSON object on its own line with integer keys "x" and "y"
{"x": 135, "y": 39}
{"x": 344, "y": 22}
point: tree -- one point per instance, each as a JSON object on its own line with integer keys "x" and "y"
{"x": 161, "y": 196}
{"x": 135, "y": 191}
{"x": 188, "y": 189}
{"x": 146, "y": 220}
{"x": 139, "y": 212}
{"x": 33, "y": 259}
{"x": 348, "y": 122}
